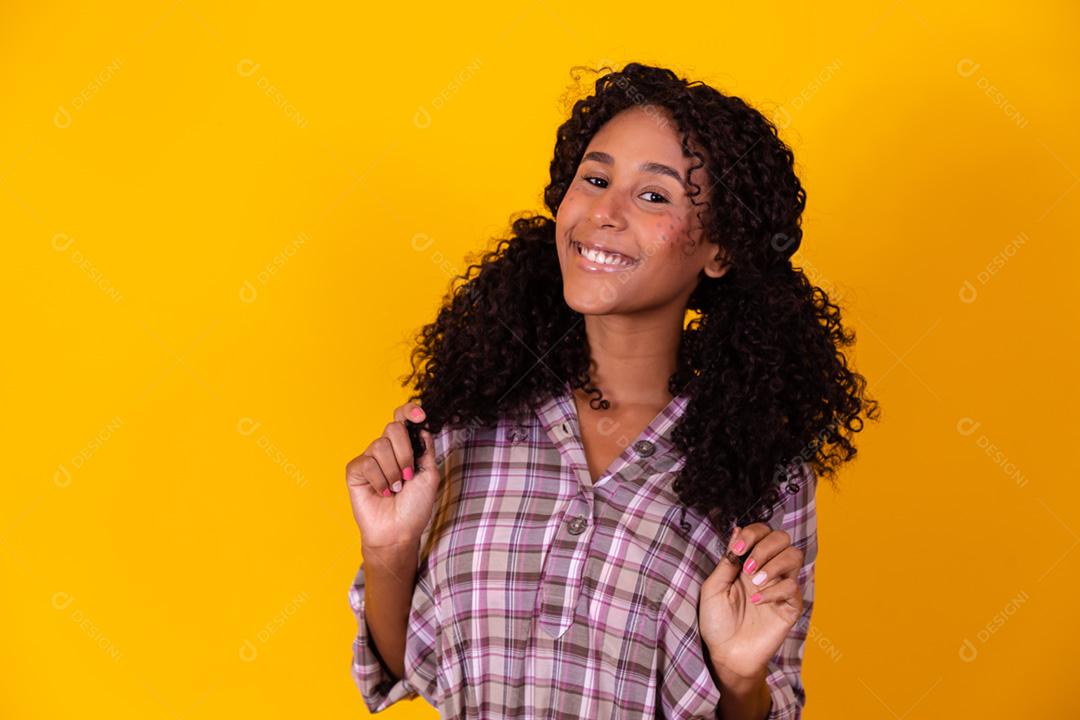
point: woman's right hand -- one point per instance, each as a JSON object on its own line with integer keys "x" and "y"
{"x": 388, "y": 519}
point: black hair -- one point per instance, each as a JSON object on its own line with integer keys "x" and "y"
{"x": 761, "y": 355}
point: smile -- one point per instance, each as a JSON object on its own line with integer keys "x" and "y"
{"x": 597, "y": 261}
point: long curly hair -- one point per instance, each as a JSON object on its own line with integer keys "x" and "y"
{"x": 761, "y": 355}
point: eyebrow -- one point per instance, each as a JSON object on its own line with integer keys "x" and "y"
{"x": 650, "y": 167}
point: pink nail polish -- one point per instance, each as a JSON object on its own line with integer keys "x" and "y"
{"x": 406, "y": 474}
{"x": 417, "y": 414}
{"x": 755, "y": 597}
{"x": 750, "y": 565}
{"x": 386, "y": 492}
{"x": 739, "y": 546}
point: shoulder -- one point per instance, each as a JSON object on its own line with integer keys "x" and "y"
{"x": 471, "y": 434}
{"x": 798, "y": 486}
{"x": 798, "y": 512}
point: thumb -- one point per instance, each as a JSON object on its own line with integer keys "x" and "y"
{"x": 727, "y": 570}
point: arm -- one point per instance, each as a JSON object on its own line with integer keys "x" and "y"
{"x": 777, "y": 694}
{"x": 390, "y": 581}
{"x": 742, "y": 698}
{"x": 379, "y": 685}
{"x": 784, "y": 673}
{"x": 781, "y": 683}
{"x": 392, "y": 600}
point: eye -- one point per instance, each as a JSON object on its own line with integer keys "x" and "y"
{"x": 659, "y": 201}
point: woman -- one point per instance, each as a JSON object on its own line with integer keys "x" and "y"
{"x": 588, "y": 533}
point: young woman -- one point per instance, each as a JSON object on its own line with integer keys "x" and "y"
{"x": 624, "y": 411}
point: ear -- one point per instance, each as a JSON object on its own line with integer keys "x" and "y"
{"x": 718, "y": 264}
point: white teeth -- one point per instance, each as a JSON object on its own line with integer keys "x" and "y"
{"x": 603, "y": 258}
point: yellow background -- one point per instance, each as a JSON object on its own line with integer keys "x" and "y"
{"x": 209, "y": 219}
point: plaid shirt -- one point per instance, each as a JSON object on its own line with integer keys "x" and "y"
{"x": 543, "y": 594}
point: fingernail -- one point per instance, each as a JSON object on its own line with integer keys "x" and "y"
{"x": 750, "y": 565}
{"x": 407, "y": 474}
{"x": 759, "y": 578}
{"x": 417, "y": 413}
{"x": 396, "y": 487}
{"x": 386, "y": 492}
{"x": 739, "y": 546}
{"x": 755, "y": 597}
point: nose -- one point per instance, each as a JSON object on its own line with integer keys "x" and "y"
{"x": 607, "y": 210}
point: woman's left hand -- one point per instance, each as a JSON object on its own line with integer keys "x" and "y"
{"x": 743, "y": 624}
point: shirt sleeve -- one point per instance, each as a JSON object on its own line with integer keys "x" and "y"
{"x": 377, "y": 685}
{"x": 799, "y": 520}
{"x": 687, "y": 689}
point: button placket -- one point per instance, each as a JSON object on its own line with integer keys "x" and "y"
{"x": 577, "y": 525}
{"x": 578, "y": 514}
{"x": 564, "y": 565}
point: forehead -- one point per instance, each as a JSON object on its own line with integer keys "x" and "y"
{"x": 642, "y": 134}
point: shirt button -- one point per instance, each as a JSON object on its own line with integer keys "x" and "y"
{"x": 577, "y": 525}
{"x": 644, "y": 448}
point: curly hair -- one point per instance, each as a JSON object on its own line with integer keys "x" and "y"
{"x": 761, "y": 355}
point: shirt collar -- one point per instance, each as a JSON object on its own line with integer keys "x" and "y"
{"x": 558, "y": 416}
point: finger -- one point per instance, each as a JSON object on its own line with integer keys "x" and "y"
{"x": 383, "y": 452}
{"x": 364, "y": 471}
{"x": 785, "y": 591}
{"x": 410, "y": 410}
{"x": 765, "y": 549}
{"x": 402, "y": 448}
{"x": 786, "y": 563}
{"x": 744, "y": 539}
{"x": 726, "y": 571}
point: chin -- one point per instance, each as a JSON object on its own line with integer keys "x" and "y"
{"x": 589, "y": 302}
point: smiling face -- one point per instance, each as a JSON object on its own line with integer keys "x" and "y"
{"x": 629, "y": 198}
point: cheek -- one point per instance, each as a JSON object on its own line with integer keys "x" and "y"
{"x": 568, "y": 206}
{"x": 671, "y": 237}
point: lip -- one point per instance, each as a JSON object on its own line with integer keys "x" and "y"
{"x": 589, "y": 266}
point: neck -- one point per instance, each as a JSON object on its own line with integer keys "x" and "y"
{"x": 633, "y": 357}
